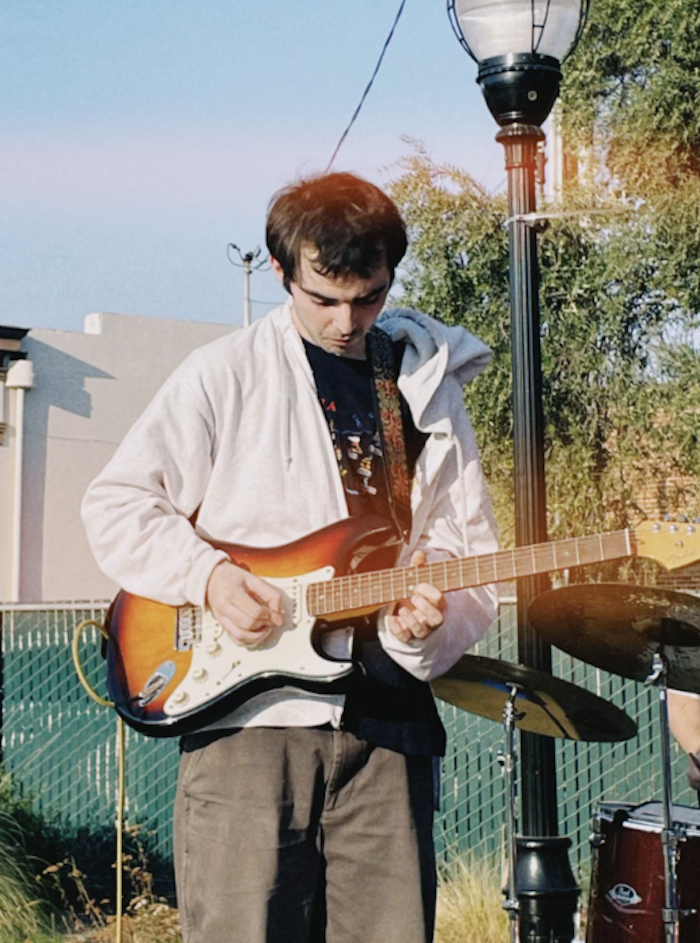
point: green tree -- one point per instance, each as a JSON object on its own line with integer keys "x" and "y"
{"x": 609, "y": 370}
{"x": 620, "y": 280}
{"x": 632, "y": 87}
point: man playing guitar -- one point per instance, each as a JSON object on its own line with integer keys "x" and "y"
{"x": 305, "y": 814}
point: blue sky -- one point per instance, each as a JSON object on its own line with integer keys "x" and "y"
{"x": 139, "y": 137}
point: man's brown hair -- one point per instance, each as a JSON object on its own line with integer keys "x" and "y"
{"x": 350, "y": 224}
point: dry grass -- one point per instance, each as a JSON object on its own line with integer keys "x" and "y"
{"x": 155, "y": 923}
{"x": 470, "y": 906}
{"x": 469, "y": 911}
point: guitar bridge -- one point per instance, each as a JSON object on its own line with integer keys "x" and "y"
{"x": 188, "y": 627}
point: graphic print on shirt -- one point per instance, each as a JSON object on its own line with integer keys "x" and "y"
{"x": 357, "y": 448}
{"x": 345, "y": 394}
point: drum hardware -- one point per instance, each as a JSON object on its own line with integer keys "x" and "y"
{"x": 596, "y": 838}
{"x": 648, "y": 635}
{"x": 532, "y": 700}
{"x": 508, "y": 760}
{"x": 670, "y": 912}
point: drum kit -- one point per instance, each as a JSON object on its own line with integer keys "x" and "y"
{"x": 645, "y": 885}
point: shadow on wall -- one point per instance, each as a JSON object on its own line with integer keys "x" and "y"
{"x": 60, "y": 384}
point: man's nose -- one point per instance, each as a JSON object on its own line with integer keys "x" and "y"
{"x": 345, "y": 317}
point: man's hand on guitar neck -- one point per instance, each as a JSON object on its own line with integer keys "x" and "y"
{"x": 423, "y": 613}
{"x": 247, "y": 607}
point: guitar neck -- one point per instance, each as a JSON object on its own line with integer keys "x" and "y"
{"x": 381, "y": 587}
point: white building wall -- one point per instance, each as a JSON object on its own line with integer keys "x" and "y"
{"x": 88, "y": 390}
{"x": 7, "y": 418}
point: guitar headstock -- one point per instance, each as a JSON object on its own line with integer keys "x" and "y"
{"x": 673, "y": 544}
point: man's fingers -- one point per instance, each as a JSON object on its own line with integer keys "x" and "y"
{"x": 259, "y": 605}
{"x": 245, "y": 605}
{"x": 422, "y": 614}
{"x": 268, "y": 597}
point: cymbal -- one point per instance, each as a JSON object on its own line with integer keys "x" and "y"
{"x": 619, "y": 627}
{"x": 549, "y": 706}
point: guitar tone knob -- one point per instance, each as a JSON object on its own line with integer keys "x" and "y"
{"x": 180, "y": 697}
{"x": 200, "y": 674}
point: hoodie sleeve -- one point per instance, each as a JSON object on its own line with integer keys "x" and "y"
{"x": 469, "y": 612}
{"x": 452, "y": 514}
{"x": 137, "y": 513}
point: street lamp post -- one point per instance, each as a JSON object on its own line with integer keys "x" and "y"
{"x": 518, "y": 45}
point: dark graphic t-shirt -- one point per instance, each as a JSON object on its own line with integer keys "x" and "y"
{"x": 344, "y": 390}
{"x": 387, "y": 706}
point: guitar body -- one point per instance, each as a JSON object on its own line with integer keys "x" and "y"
{"x": 171, "y": 670}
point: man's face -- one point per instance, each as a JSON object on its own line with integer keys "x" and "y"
{"x": 336, "y": 313}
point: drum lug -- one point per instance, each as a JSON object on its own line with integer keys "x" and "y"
{"x": 671, "y": 915}
{"x": 596, "y": 838}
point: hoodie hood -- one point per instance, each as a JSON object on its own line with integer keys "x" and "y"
{"x": 464, "y": 355}
{"x": 433, "y": 352}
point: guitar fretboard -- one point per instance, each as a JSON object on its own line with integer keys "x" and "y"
{"x": 372, "y": 590}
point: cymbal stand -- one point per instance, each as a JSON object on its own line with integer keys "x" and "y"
{"x": 508, "y": 760}
{"x": 669, "y": 833}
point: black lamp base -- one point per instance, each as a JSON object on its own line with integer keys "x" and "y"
{"x": 520, "y": 88}
{"x": 546, "y": 889}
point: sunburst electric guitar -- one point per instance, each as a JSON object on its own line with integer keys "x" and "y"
{"x": 171, "y": 669}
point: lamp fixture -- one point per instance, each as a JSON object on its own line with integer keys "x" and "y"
{"x": 518, "y": 45}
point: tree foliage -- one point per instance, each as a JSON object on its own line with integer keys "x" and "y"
{"x": 620, "y": 279}
{"x": 634, "y": 84}
{"x": 612, "y": 364}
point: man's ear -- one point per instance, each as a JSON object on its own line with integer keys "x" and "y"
{"x": 277, "y": 269}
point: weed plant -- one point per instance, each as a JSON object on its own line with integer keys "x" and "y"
{"x": 470, "y": 905}
{"x": 23, "y": 915}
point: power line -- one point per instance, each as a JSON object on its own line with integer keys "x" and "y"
{"x": 369, "y": 86}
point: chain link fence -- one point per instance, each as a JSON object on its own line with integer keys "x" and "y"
{"x": 60, "y": 747}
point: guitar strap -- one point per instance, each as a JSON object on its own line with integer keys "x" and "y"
{"x": 385, "y": 370}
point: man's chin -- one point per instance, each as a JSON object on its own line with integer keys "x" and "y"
{"x": 354, "y": 347}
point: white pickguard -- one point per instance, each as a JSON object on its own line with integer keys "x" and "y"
{"x": 220, "y": 665}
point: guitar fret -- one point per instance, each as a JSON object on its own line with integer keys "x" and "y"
{"x": 382, "y": 587}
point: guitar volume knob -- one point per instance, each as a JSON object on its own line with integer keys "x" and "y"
{"x": 213, "y": 649}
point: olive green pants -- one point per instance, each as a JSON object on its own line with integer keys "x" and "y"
{"x": 303, "y": 835}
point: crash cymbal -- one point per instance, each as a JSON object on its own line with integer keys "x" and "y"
{"x": 619, "y": 627}
{"x": 548, "y": 705}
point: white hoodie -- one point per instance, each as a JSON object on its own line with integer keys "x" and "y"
{"x": 235, "y": 448}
